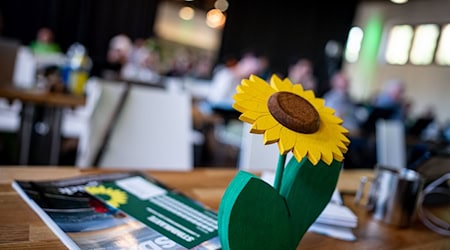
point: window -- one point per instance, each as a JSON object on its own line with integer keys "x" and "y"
{"x": 424, "y": 44}
{"x": 353, "y": 46}
{"x": 399, "y": 43}
{"x": 443, "y": 51}
{"x": 417, "y": 44}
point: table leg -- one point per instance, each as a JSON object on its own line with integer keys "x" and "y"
{"x": 26, "y": 128}
{"x": 56, "y": 135}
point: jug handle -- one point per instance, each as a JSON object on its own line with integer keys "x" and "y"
{"x": 360, "y": 192}
{"x": 429, "y": 220}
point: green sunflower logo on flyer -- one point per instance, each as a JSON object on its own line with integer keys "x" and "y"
{"x": 113, "y": 197}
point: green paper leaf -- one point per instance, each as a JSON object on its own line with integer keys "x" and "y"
{"x": 252, "y": 215}
{"x": 307, "y": 190}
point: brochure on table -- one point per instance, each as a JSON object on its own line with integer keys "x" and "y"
{"x": 82, "y": 221}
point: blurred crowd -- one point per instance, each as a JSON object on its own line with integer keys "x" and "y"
{"x": 144, "y": 60}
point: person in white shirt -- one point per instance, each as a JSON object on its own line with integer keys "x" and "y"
{"x": 226, "y": 79}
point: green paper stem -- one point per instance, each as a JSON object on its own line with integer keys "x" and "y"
{"x": 279, "y": 173}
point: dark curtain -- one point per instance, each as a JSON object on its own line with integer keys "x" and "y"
{"x": 90, "y": 22}
{"x": 286, "y": 30}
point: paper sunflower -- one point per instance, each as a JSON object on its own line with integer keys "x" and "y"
{"x": 293, "y": 117}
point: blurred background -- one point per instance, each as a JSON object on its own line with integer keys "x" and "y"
{"x": 153, "y": 67}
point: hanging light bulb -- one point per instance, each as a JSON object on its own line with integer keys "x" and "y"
{"x": 222, "y": 5}
{"x": 186, "y": 13}
{"x": 215, "y": 18}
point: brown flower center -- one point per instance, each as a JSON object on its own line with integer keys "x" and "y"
{"x": 294, "y": 112}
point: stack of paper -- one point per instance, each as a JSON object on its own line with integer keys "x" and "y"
{"x": 336, "y": 220}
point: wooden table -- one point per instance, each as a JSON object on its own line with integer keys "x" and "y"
{"x": 53, "y": 105}
{"x": 21, "y": 228}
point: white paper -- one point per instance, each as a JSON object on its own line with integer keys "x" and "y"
{"x": 341, "y": 233}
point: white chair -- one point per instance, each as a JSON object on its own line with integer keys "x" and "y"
{"x": 254, "y": 155}
{"x": 9, "y": 116}
{"x": 391, "y": 144}
{"x": 77, "y": 123}
{"x": 89, "y": 122}
{"x": 153, "y": 132}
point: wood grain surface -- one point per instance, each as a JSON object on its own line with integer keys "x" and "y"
{"x": 21, "y": 228}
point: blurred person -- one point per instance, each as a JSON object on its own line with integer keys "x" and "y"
{"x": 217, "y": 105}
{"x": 265, "y": 70}
{"x": 117, "y": 55}
{"x": 215, "y": 116}
{"x": 153, "y": 60}
{"x": 181, "y": 64}
{"x": 361, "y": 151}
{"x": 137, "y": 67}
{"x": 138, "y": 53}
{"x": 44, "y": 43}
{"x": 339, "y": 99}
{"x": 226, "y": 79}
{"x": 301, "y": 71}
{"x": 203, "y": 67}
{"x": 392, "y": 97}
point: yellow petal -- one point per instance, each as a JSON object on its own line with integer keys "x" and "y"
{"x": 330, "y": 119}
{"x": 299, "y": 151}
{"x": 338, "y": 156}
{"x": 344, "y": 139}
{"x": 280, "y": 85}
{"x": 246, "y": 96}
{"x": 327, "y": 156}
{"x": 308, "y": 94}
{"x": 262, "y": 124}
{"x": 287, "y": 140}
{"x": 257, "y": 89}
{"x": 260, "y": 85}
{"x": 251, "y": 116}
{"x": 318, "y": 104}
{"x": 272, "y": 135}
{"x": 245, "y": 105}
{"x": 314, "y": 154}
{"x": 297, "y": 89}
{"x": 327, "y": 110}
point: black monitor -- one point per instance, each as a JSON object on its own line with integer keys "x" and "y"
{"x": 419, "y": 126}
{"x": 375, "y": 114}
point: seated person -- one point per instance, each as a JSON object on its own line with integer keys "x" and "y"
{"x": 301, "y": 71}
{"x": 392, "y": 97}
{"x": 339, "y": 99}
{"x": 44, "y": 43}
{"x": 117, "y": 56}
{"x": 226, "y": 79}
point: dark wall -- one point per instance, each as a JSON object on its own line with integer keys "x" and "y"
{"x": 90, "y": 22}
{"x": 283, "y": 30}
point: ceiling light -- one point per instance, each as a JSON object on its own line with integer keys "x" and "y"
{"x": 399, "y": 1}
{"x": 215, "y": 18}
{"x": 221, "y": 5}
{"x": 186, "y": 13}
